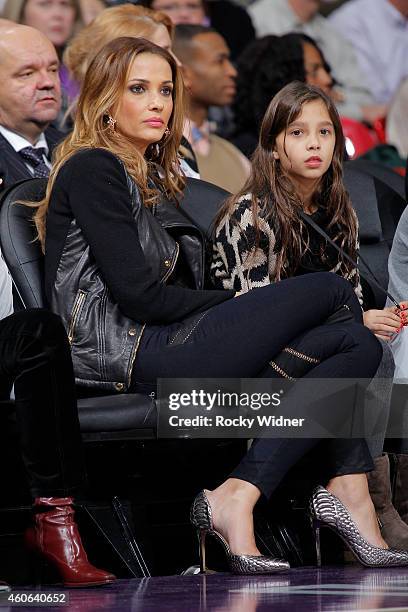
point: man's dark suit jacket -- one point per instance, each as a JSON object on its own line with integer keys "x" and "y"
{"x": 12, "y": 166}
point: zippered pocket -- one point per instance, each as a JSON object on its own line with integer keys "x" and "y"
{"x": 172, "y": 265}
{"x": 76, "y": 311}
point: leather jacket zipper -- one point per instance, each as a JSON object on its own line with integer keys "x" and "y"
{"x": 133, "y": 356}
{"x": 173, "y": 263}
{"x": 75, "y": 313}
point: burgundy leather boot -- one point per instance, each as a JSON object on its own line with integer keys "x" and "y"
{"x": 55, "y": 537}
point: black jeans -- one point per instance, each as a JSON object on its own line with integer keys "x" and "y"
{"x": 35, "y": 355}
{"x": 239, "y": 338}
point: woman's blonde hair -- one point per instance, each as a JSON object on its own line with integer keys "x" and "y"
{"x": 115, "y": 22}
{"x": 104, "y": 84}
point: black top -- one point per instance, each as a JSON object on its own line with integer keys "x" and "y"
{"x": 92, "y": 187}
{"x": 321, "y": 256}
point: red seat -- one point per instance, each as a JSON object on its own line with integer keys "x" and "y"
{"x": 359, "y": 138}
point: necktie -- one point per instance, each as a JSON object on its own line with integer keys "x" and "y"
{"x": 35, "y": 158}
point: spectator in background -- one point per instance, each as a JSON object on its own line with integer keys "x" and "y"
{"x": 210, "y": 79}
{"x": 397, "y": 121}
{"x": 124, "y": 20}
{"x": 284, "y": 16}
{"x": 90, "y": 9}
{"x": 267, "y": 65}
{"x": 378, "y": 32}
{"x": 30, "y": 100}
{"x": 56, "y": 19}
{"x": 230, "y": 20}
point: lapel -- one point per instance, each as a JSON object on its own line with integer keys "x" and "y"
{"x": 12, "y": 167}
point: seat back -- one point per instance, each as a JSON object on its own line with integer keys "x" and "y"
{"x": 21, "y": 250}
{"x": 384, "y": 173}
{"x": 202, "y": 201}
{"x": 378, "y": 209}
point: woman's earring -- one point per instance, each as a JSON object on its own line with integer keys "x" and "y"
{"x": 111, "y": 123}
{"x": 167, "y": 132}
{"x": 157, "y": 149}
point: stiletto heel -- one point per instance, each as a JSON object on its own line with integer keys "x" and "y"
{"x": 201, "y": 519}
{"x": 201, "y": 541}
{"x": 328, "y": 511}
{"x": 316, "y": 533}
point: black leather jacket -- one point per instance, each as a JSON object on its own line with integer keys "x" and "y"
{"x": 104, "y": 342}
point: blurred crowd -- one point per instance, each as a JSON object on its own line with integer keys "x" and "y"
{"x": 236, "y": 55}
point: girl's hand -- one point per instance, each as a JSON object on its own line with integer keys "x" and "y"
{"x": 383, "y": 323}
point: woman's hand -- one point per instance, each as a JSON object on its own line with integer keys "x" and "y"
{"x": 383, "y": 323}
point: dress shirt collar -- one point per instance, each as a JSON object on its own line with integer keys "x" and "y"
{"x": 18, "y": 142}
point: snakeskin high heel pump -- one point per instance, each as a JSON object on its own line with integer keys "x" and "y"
{"x": 328, "y": 511}
{"x": 201, "y": 519}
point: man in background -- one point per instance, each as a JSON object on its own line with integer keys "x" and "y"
{"x": 30, "y": 99}
{"x": 378, "y": 33}
{"x": 210, "y": 79}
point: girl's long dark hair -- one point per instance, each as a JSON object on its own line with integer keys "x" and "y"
{"x": 273, "y": 195}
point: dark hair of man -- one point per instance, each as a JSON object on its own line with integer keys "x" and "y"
{"x": 267, "y": 65}
{"x": 274, "y": 195}
{"x": 184, "y": 34}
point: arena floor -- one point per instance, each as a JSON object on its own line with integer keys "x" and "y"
{"x": 329, "y": 589}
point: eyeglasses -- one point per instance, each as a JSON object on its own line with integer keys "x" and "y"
{"x": 192, "y": 7}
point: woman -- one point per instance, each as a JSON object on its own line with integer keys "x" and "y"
{"x": 125, "y": 269}
{"x": 261, "y": 237}
{"x": 126, "y": 20}
{"x": 55, "y": 18}
{"x": 267, "y": 65}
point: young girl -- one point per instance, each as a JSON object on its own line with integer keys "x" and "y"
{"x": 131, "y": 293}
{"x": 261, "y": 236}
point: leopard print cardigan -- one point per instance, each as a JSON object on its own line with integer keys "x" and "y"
{"x": 237, "y": 263}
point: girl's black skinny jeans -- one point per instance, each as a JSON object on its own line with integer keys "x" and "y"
{"x": 238, "y": 339}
